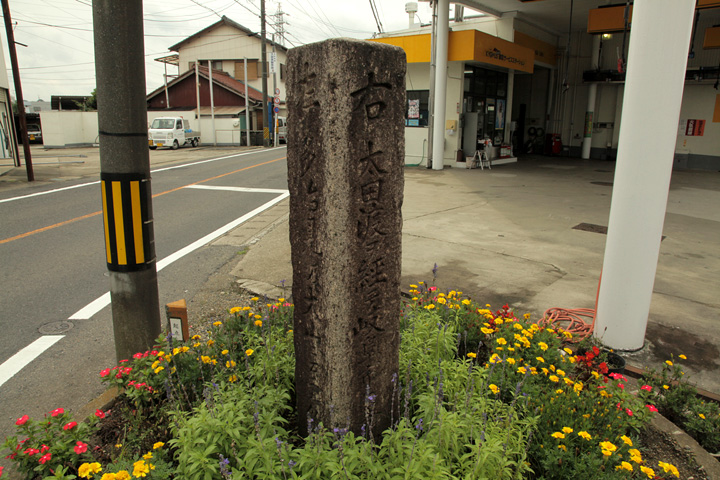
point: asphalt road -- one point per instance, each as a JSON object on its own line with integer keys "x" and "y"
{"x": 53, "y": 270}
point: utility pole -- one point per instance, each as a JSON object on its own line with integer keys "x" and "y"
{"x": 266, "y": 130}
{"x": 125, "y": 174}
{"x": 18, "y": 90}
{"x": 274, "y": 74}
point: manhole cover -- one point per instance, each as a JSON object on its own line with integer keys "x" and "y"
{"x": 591, "y": 227}
{"x": 55, "y": 328}
{"x": 604, "y": 184}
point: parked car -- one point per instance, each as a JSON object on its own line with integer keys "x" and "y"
{"x": 34, "y": 133}
{"x": 172, "y": 132}
{"x": 282, "y": 130}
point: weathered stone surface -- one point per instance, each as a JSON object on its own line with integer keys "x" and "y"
{"x": 346, "y": 106}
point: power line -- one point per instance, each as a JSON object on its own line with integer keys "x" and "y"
{"x": 373, "y": 7}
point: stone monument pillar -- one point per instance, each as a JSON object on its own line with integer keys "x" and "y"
{"x": 346, "y": 110}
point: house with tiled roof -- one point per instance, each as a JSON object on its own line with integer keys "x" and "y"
{"x": 231, "y": 49}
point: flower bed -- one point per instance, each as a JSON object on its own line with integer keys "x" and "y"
{"x": 478, "y": 395}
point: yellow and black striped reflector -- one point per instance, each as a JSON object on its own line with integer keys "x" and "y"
{"x": 127, "y": 223}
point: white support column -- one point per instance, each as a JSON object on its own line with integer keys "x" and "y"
{"x": 592, "y": 95}
{"x": 441, "y": 64}
{"x": 509, "y": 105}
{"x": 654, "y": 83}
{"x": 212, "y": 103}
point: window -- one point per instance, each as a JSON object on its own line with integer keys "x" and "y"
{"x": 252, "y": 68}
{"x": 416, "y": 110}
{"x": 282, "y": 71}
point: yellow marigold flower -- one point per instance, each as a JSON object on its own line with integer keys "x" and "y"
{"x": 635, "y": 452}
{"x": 441, "y": 300}
{"x": 122, "y": 475}
{"x": 625, "y": 466}
{"x": 249, "y": 351}
{"x": 472, "y": 355}
{"x": 494, "y": 388}
{"x": 501, "y": 341}
{"x": 155, "y": 364}
{"x": 563, "y": 448}
{"x": 254, "y": 299}
{"x": 607, "y": 453}
{"x": 194, "y": 337}
{"x": 567, "y": 381}
{"x": 669, "y": 362}
{"x": 636, "y": 459}
{"x": 217, "y": 324}
{"x": 205, "y": 359}
{"x": 281, "y": 300}
{"x": 230, "y": 363}
{"x": 118, "y": 445}
{"x": 669, "y": 468}
{"x": 567, "y": 334}
{"x": 510, "y": 360}
{"x": 499, "y": 321}
{"x": 148, "y": 456}
{"x": 234, "y": 310}
{"x": 682, "y": 357}
{"x": 413, "y": 286}
{"x": 648, "y": 471}
{"x": 552, "y": 367}
{"x": 701, "y": 416}
{"x": 159, "y": 369}
{"x": 258, "y": 323}
{"x": 495, "y": 358}
{"x": 108, "y": 476}
{"x": 522, "y": 370}
{"x": 559, "y": 391}
{"x": 429, "y": 307}
{"x": 558, "y": 435}
{"x": 568, "y": 351}
{"x": 608, "y": 446}
{"x": 627, "y": 440}
{"x": 567, "y": 430}
{"x": 545, "y": 370}
{"x": 666, "y": 387}
{"x": 517, "y": 326}
{"x": 210, "y": 343}
{"x": 560, "y": 372}
{"x": 487, "y": 305}
{"x": 158, "y": 445}
{"x": 86, "y": 470}
{"x": 540, "y": 359}
{"x": 225, "y": 352}
{"x": 486, "y": 331}
{"x": 578, "y": 387}
{"x": 554, "y": 378}
{"x": 543, "y": 346}
{"x": 140, "y": 469}
{"x": 290, "y": 331}
{"x": 595, "y": 374}
{"x": 246, "y": 309}
{"x": 466, "y": 302}
{"x": 526, "y": 316}
{"x": 585, "y": 435}
{"x": 233, "y": 378}
{"x": 195, "y": 345}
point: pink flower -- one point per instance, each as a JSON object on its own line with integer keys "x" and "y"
{"x": 22, "y": 420}
{"x": 105, "y": 372}
{"x": 629, "y": 412}
{"x": 647, "y": 388}
{"x": 56, "y": 412}
{"x": 45, "y": 458}
{"x": 99, "y": 414}
{"x": 70, "y": 426}
{"x": 80, "y": 447}
{"x": 652, "y": 408}
{"x": 432, "y": 289}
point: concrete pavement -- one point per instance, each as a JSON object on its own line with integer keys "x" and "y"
{"x": 507, "y": 235}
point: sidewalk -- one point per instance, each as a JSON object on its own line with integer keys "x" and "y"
{"x": 506, "y": 236}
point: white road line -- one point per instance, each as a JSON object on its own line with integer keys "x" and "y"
{"x": 101, "y": 302}
{"x": 17, "y": 362}
{"x": 237, "y": 189}
{"x": 56, "y": 190}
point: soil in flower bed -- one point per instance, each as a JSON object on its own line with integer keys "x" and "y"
{"x": 658, "y": 446}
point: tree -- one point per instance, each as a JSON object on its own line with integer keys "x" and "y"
{"x": 90, "y": 103}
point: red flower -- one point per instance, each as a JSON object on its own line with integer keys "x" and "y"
{"x": 44, "y": 448}
{"x": 138, "y": 355}
{"x": 99, "y": 414}
{"x": 11, "y": 457}
{"x": 652, "y": 408}
{"x": 105, "y": 372}
{"x": 70, "y": 426}
{"x": 646, "y": 387}
{"x": 629, "y": 412}
{"x": 22, "y": 420}
{"x": 123, "y": 361}
{"x": 603, "y": 368}
{"x": 31, "y": 451}
{"x": 80, "y": 447}
{"x": 154, "y": 352}
{"x": 1, "y": 469}
{"x": 56, "y": 412}
{"x": 45, "y": 458}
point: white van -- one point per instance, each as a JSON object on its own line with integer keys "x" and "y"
{"x": 282, "y": 129}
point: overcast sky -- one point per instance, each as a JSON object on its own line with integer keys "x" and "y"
{"x": 59, "y": 57}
